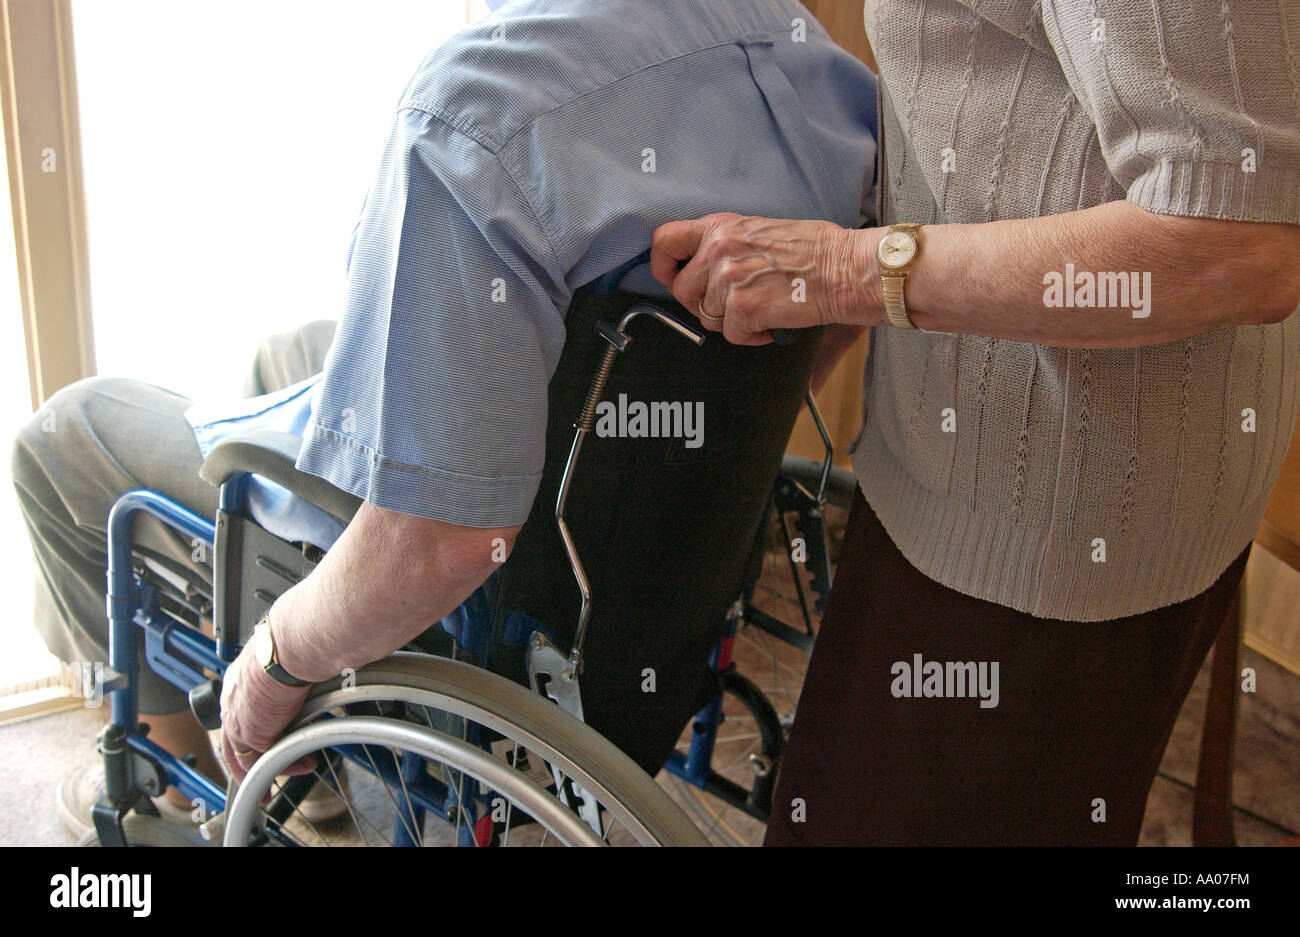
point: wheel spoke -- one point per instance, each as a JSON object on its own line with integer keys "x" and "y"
{"x": 338, "y": 786}
{"x": 310, "y": 825}
{"x": 401, "y": 776}
{"x": 417, "y": 720}
{"x": 388, "y": 790}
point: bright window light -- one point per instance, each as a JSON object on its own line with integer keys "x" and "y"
{"x": 25, "y": 657}
{"x": 228, "y": 147}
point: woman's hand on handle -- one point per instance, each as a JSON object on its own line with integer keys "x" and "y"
{"x": 744, "y": 276}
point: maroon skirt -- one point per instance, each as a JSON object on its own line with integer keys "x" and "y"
{"x": 906, "y": 732}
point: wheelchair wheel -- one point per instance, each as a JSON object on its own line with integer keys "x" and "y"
{"x": 746, "y": 752}
{"x": 141, "y": 830}
{"x": 442, "y": 753}
{"x": 784, "y": 608}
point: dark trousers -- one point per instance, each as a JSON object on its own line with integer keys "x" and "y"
{"x": 1083, "y": 714}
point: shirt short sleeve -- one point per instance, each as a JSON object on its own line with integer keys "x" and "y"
{"x": 434, "y": 397}
{"x": 1196, "y": 105}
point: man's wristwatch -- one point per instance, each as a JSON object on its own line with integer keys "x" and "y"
{"x": 898, "y": 251}
{"x": 264, "y": 648}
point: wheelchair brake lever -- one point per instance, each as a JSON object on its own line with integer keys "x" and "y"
{"x": 618, "y": 340}
{"x": 549, "y": 672}
{"x": 555, "y": 677}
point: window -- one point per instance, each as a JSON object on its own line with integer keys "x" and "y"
{"x": 25, "y": 658}
{"x": 227, "y": 148}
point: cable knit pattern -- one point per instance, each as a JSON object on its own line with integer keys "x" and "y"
{"x": 995, "y": 109}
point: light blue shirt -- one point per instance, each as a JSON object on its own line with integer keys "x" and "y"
{"x": 534, "y": 151}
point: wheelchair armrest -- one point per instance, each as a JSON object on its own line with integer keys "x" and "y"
{"x": 271, "y": 455}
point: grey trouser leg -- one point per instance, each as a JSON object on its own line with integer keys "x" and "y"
{"x": 290, "y": 357}
{"x": 92, "y": 442}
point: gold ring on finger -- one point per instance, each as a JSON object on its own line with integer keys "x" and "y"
{"x": 705, "y": 315}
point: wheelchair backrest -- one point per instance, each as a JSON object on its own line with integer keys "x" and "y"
{"x": 664, "y": 527}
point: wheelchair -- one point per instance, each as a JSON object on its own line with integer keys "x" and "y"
{"x": 537, "y": 713}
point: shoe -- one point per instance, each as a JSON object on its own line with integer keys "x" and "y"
{"x": 76, "y": 796}
{"x": 322, "y": 804}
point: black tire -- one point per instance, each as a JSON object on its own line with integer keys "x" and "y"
{"x": 771, "y": 738}
{"x": 733, "y": 806}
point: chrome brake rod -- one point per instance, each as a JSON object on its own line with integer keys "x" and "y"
{"x": 618, "y": 340}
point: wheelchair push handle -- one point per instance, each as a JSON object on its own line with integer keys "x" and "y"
{"x": 608, "y": 283}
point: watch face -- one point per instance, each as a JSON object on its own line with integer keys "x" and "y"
{"x": 264, "y": 645}
{"x": 897, "y": 249}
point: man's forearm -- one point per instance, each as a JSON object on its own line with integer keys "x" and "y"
{"x": 1028, "y": 280}
{"x": 387, "y": 579}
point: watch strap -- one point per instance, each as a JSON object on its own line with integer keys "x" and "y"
{"x": 279, "y": 673}
{"x": 273, "y": 666}
{"x": 891, "y": 286}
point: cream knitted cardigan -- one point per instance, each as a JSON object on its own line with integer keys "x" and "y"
{"x": 1076, "y": 484}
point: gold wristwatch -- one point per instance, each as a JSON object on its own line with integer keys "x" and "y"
{"x": 897, "y": 252}
{"x": 264, "y": 646}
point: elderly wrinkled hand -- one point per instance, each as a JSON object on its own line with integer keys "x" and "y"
{"x": 744, "y": 276}
{"x": 255, "y": 710}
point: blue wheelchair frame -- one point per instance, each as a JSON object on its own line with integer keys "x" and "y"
{"x": 136, "y": 766}
{"x": 170, "y": 648}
